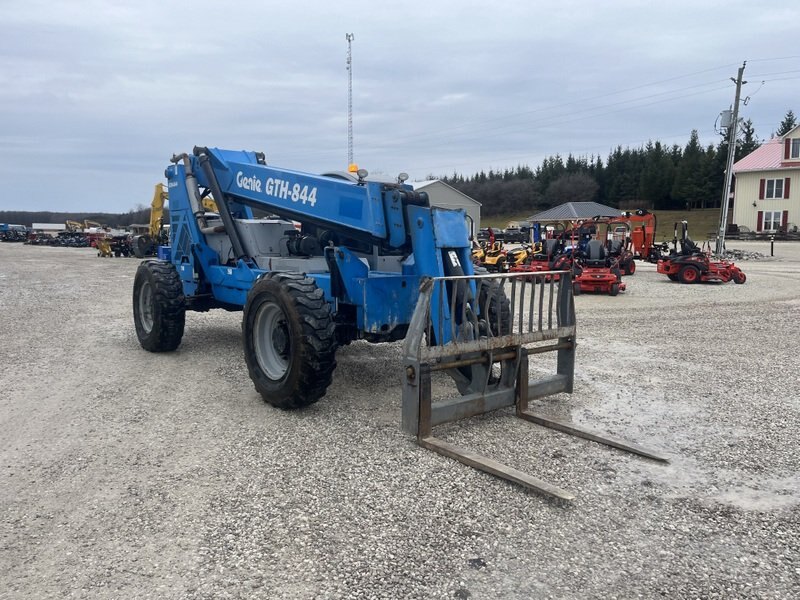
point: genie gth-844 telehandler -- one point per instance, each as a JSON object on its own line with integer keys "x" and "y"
{"x": 370, "y": 261}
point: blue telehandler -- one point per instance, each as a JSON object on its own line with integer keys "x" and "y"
{"x": 318, "y": 261}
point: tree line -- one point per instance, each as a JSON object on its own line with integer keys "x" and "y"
{"x": 138, "y": 216}
{"x": 655, "y": 176}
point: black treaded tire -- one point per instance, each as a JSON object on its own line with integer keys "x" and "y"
{"x": 493, "y": 305}
{"x": 614, "y": 289}
{"x": 673, "y": 277}
{"x": 142, "y": 246}
{"x": 630, "y": 267}
{"x": 493, "y": 301}
{"x": 292, "y": 365}
{"x": 159, "y": 306}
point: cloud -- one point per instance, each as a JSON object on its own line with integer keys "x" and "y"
{"x": 96, "y": 96}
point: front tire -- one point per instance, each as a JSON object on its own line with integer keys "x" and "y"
{"x": 495, "y": 308}
{"x": 159, "y": 306}
{"x": 289, "y": 340}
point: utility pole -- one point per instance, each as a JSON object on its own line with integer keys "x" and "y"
{"x": 349, "y": 37}
{"x": 732, "y": 131}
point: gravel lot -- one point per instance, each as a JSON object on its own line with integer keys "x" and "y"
{"x": 125, "y": 474}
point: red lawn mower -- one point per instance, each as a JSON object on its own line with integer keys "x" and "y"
{"x": 691, "y": 265}
{"x": 596, "y": 271}
{"x": 549, "y": 259}
{"x": 618, "y": 242}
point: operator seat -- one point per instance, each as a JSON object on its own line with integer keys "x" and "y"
{"x": 688, "y": 247}
{"x": 548, "y": 249}
{"x": 596, "y": 255}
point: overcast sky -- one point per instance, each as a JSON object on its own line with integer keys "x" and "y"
{"x": 96, "y": 96}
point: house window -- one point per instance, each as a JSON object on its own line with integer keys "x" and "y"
{"x": 772, "y": 220}
{"x": 774, "y": 188}
{"x": 795, "y": 149}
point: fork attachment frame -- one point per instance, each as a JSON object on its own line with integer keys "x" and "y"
{"x": 541, "y": 319}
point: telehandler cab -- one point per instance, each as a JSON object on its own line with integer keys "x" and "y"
{"x": 372, "y": 261}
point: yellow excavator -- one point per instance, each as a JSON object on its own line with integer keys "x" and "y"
{"x": 146, "y": 245}
{"x": 74, "y": 226}
{"x": 87, "y": 224}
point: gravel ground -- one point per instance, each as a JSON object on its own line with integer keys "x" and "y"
{"x": 125, "y": 474}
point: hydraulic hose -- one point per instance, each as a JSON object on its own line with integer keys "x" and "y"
{"x": 222, "y": 203}
{"x": 193, "y": 190}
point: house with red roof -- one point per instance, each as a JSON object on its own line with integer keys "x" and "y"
{"x": 767, "y": 188}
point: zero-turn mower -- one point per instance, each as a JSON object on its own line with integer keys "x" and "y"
{"x": 596, "y": 271}
{"x": 690, "y": 264}
{"x": 548, "y": 258}
{"x": 619, "y": 242}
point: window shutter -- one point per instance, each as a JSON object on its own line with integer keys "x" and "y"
{"x": 786, "y": 187}
{"x": 784, "y": 220}
{"x": 760, "y": 221}
{"x": 787, "y": 146}
{"x": 761, "y": 185}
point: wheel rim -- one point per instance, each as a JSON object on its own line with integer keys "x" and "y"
{"x": 146, "y": 307}
{"x": 273, "y": 342}
{"x": 690, "y": 274}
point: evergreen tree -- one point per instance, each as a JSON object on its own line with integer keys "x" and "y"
{"x": 689, "y": 188}
{"x": 658, "y": 174}
{"x": 789, "y": 122}
{"x": 749, "y": 141}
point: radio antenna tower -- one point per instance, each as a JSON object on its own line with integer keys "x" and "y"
{"x": 349, "y": 37}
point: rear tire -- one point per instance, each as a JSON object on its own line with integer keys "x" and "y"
{"x": 689, "y": 274}
{"x": 142, "y": 246}
{"x": 289, "y": 340}
{"x": 630, "y": 268}
{"x": 159, "y": 306}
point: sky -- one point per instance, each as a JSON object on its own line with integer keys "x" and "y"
{"x": 96, "y": 96}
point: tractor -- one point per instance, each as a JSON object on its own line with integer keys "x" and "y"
{"x": 372, "y": 261}
{"x": 688, "y": 263}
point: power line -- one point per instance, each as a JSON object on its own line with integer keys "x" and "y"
{"x": 471, "y": 124}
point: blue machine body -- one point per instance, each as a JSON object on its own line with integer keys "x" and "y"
{"x": 373, "y": 241}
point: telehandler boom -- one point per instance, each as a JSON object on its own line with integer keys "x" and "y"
{"x": 371, "y": 261}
